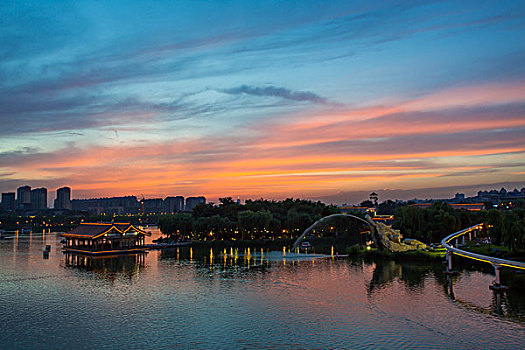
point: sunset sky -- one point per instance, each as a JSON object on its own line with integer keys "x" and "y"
{"x": 265, "y": 99}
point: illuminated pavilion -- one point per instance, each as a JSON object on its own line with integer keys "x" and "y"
{"x": 101, "y": 238}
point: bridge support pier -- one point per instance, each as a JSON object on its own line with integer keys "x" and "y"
{"x": 497, "y": 286}
{"x": 449, "y": 270}
{"x": 497, "y": 263}
{"x": 463, "y": 240}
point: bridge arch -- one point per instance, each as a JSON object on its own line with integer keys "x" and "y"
{"x": 372, "y": 227}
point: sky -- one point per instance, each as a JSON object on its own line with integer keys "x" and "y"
{"x": 250, "y": 99}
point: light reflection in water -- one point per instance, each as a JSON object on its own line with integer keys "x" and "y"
{"x": 328, "y": 303}
{"x": 108, "y": 267}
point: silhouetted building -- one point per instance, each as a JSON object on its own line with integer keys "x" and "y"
{"x": 111, "y": 205}
{"x": 465, "y": 206}
{"x": 23, "y": 198}
{"x": 8, "y": 201}
{"x": 173, "y": 204}
{"x": 63, "y": 200}
{"x": 459, "y": 197}
{"x": 39, "y": 198}
{"x": 192, "y": 202}
{"x": 502, "y": 195}
{"x": 153, "y": 205}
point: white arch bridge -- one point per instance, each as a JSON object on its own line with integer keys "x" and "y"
{"x": 373, "y": 229}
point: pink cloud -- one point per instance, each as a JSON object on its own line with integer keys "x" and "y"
{"x": 369, "y": 147}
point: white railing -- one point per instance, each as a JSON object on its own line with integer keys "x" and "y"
{"x": 298, "y": 240}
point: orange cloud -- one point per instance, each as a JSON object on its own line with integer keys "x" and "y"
{"x": 375, "y": 147}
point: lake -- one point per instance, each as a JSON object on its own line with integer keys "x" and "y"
{"x": 202, "y": 299}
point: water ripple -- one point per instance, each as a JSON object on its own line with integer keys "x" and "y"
{"x": 167, "y": 303}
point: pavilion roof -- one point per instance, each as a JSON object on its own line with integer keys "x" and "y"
{"x": 94, "y": 230}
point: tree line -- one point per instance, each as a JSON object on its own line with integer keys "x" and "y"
{"x": 255, "y": 219}
{"x": 263, "y": 219}
{"x": 432, "y": 224}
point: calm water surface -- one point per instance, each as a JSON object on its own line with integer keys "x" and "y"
{"x": 198, "y": 300}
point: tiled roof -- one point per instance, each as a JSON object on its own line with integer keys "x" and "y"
{"x": 92, "y": 230}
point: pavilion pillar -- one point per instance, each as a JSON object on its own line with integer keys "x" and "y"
{"x": 463, "y": 239}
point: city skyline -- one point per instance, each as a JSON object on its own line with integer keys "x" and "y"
{"x": 176, "y": 203}
{"x": 245, "y": 100}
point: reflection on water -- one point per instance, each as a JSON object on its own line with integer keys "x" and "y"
{"x": 233, "y": 261}
{"x": 226, "y": 261}
{"x": 200, "y": 297}
{"x": 509, "y": 304}
{"x": 107, "y": 266}
{"x": 412, "y": 275}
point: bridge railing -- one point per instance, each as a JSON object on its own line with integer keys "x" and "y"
{"x": 497, "y": 263}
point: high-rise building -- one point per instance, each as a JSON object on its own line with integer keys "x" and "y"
{"x": 173, "y": 204}
{"x": 153, "y": 205}
{"x": 192, "y": 202}
{"x": 8, "y": 201}
{"x": 23, "y": 198}
{"x": 111, "y": 205}
{"x": 39, "y": 198}
{"x": 63, "y": 200}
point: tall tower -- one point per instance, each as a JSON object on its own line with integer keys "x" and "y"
{"x": 63, "y": 200}
{"x": 373, "y": 198}
{"x": 23, "y": 197}
{"x": 173, "y": 204}
{"x": 8, "y": 201}
{"x": 192, "y": 202}
{"x": 39, "y": 198}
